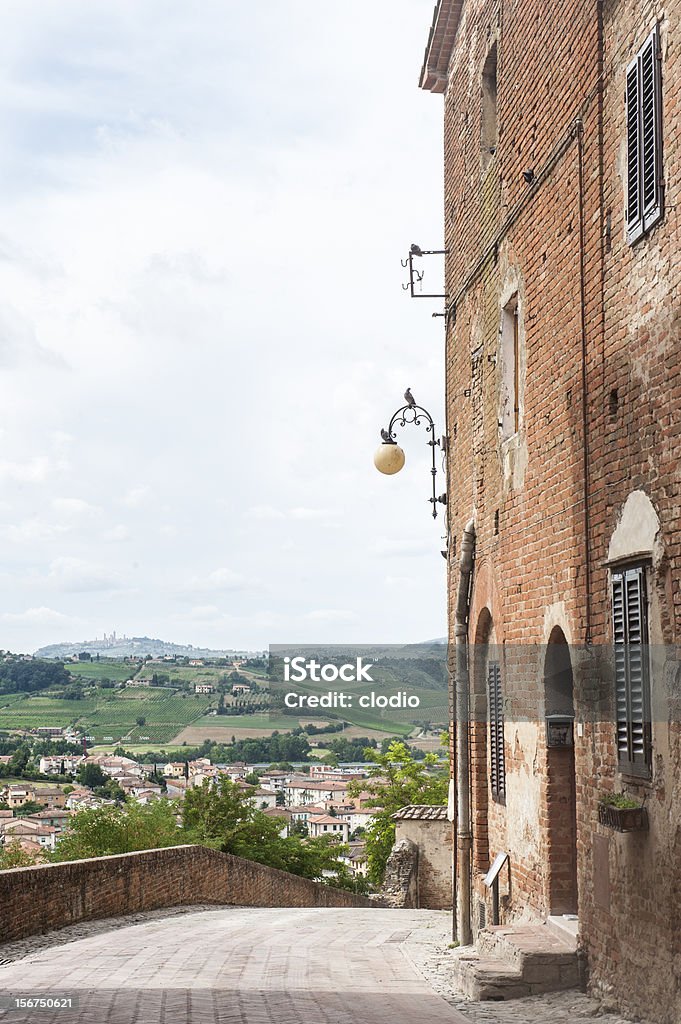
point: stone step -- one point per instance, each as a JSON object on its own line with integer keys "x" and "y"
{"x": 521, "y": 945}
{"x": 515, "y": 961}
{"x": 565, "y": 925}
{"x": 483, "y": 978}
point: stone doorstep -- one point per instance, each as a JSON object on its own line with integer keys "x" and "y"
{"x": 486, "y": 978}
{"x": 527, "y": 944}
{"x": 512, "y": 962}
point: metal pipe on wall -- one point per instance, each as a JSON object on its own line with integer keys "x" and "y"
{"x": 464, "y": 837}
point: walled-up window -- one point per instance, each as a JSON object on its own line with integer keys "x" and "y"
{"x": 496, "y": 732}
{"x": 632, "y": 669}
{"x": 645, "y": 186}
{"x": 509, "y": 417}
{"x": 489, "y": 127}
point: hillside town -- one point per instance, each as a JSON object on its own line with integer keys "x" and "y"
{"x": 34, "y": 815}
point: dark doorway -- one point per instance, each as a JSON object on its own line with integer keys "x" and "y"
{"x": 560, "y": 782}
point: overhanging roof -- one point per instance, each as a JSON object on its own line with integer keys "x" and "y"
{"x": 440, "y": 43}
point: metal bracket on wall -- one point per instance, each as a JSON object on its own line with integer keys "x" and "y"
{"x": 416, "y": 276}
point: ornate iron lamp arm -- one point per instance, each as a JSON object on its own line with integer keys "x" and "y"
{"x": 411, "y": 413}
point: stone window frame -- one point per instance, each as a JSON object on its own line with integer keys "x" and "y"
{"x": 489, "y": 108}
{"x": 511, "y": 394}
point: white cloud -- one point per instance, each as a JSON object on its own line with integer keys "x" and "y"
{"x": 331, "y": 615}
{"x": 218, "y": 581}
{"x": 204, "y": 613}
{"x": 30, "y": 471}
{"x": 37, "y": 617}
{"x": 300, "y": 513}
{"x": 266, "y": 512}
{"x": 307, "y": 514}
{"x": 405, "y": 548}
{"x": 33, "y": 531}
{"x": 73, "y": 508}
{"x": 117, "y": 534}
{"x": 76, "y": 575}
{"x": 136, "y": 497}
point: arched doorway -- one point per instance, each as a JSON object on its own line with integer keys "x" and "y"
{"x": 560, "y": 777}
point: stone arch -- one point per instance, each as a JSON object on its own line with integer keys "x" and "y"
{"x": 637, "y": 531}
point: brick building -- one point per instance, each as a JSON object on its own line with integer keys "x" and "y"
{"x": 563, "y": 382}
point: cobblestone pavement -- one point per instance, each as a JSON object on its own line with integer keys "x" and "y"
{"x": 231, "y": 965}
{"x": 428, "y": 949}
{"x": 234, "y": 966}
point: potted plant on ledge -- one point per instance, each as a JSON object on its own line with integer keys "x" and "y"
{"x": 622, "y": 813}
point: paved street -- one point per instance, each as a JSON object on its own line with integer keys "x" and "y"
{"x": 247, "y": 966}
{"x": 207, "y": 965}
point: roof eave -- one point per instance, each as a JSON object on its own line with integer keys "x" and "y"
{"x": 446, "y": 19}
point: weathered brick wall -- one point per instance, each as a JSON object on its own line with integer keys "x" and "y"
{"x": 38, "y": 899}
{"x": 526, "y": 493}
{"x": 529, "y": 495}
{"x": 434, "y": 842}
{"x": 633, "y": 938}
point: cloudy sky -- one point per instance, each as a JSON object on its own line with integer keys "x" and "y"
{"x": 202, "y": 213}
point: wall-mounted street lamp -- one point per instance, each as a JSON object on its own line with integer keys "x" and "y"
{"x": 390, "y": 458}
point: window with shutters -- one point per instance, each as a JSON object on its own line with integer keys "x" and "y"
{"x": 496, "y": 733}
{"x": 632, "y": 669}
{"x": 645, "y": 186}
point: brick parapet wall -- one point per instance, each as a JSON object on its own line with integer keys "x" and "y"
{"x": 39, "y": 899}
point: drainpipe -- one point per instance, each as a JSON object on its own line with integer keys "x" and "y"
{"x": 464, "y": 837}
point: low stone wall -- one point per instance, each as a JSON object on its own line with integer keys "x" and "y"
{"x": 39, "y": 899}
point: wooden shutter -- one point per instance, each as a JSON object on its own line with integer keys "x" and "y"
{"x": 634, "y": 220}
{"x": 496, "y": 733}
{"x": 632, "y": 679}
{"x": 644, "y": 139}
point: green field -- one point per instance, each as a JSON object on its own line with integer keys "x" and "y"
{"x": 260, "y": 721}
{"x": 110, "y": 715}
{"x": 96, "y": 670}
{"x": 137, "y": 748}
{"x": 191, "y": 675}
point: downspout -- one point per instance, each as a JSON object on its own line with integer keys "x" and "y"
{"x": 464, "y": 837}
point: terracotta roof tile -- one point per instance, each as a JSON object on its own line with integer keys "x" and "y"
{"x": 420, "y": 812}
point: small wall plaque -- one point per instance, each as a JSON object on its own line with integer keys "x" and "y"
{"x": 559, "y": 731}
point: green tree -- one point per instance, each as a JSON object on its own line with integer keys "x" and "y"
{"x": 91, "y": 775}
{"x": 30, "y": 807}
{"x": 399, "y": 780}
{"x": 223, "y": 818}
{"x": 100, "y": 831}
